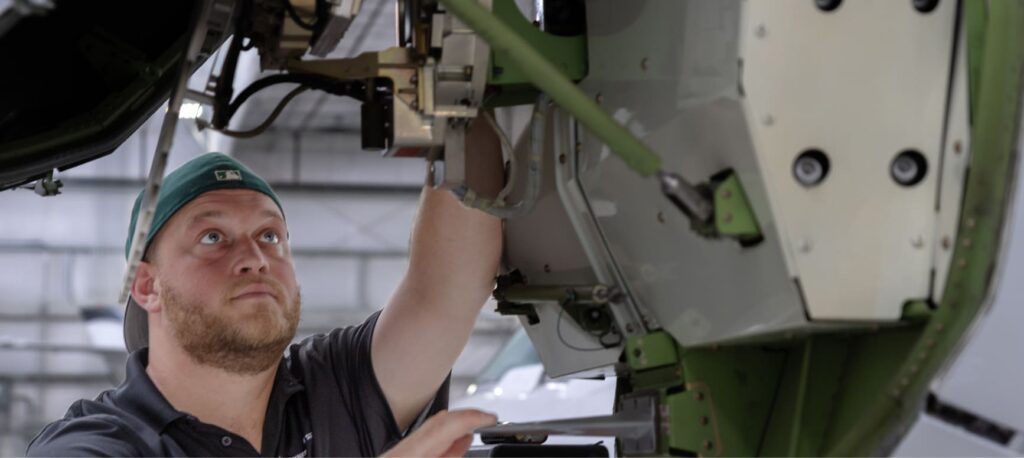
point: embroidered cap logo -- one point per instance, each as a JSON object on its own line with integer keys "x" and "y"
{"x": 228, "y": 175}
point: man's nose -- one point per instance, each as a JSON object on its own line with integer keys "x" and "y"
{"x": 250, "y": 258}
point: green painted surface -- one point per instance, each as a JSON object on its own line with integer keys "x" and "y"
{"x": 651, "y": 350}
{"x": 568, "y": 54}
{"x": 693, "y": 426}
{"x": 739, "y": 384}
{"x": 916, "y": 311}
{"x": 550, "y": 79}
{"x": 733, "y": 215}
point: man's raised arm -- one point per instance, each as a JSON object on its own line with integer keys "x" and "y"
{"x": 453, "y": 259}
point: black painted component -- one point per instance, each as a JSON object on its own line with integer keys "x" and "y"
{"x": 908, "y": 168}
{"x": 811, "y": 167}
{"x": 374, "y": 131}
{"x": 565, "y": 17}
{"x": 828, "y": 5}
{"x": 925, "y": 6}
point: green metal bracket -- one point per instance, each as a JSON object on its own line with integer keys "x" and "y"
{"x": 552, "y": 81}
{"x": 652, "y": 350}
{"x": 916, "y": 311}
{"x": 692, "y": 423}
{"x": 568, "y": 54}
{"x": 733, "y": 215}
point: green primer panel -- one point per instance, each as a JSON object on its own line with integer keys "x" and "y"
{"x": 651, "y": 350}
{"x": 568, "y": 54}
{"x": 739, "y": 384}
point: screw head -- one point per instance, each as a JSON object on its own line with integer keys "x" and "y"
{"x": 811, "y": 167}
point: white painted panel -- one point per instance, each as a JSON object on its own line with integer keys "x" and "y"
{"x": 872, "y": 82}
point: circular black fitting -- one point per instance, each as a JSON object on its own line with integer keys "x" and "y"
{"x": 810, "y": 168}
{"x": 908, "y": 168}
{"x": 925, "y": 6}
{"x": 827, "y": 5}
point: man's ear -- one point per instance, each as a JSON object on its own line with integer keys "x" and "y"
{"x": 144, "y": 289}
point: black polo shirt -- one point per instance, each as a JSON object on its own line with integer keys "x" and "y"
{"x": 325, "y": 402}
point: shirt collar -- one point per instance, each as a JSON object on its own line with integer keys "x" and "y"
{"x": 139, "y": 397}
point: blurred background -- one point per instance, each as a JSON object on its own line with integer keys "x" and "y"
{"x": 349, "y": 214}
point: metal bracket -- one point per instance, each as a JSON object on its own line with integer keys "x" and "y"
{"x": 634, "y": 425}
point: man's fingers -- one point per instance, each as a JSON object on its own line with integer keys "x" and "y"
{"x": 444, "y": 433}
{"x": 458, "y": 423}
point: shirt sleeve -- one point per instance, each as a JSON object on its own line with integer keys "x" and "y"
{"x": 97, "y": 435}
{"x": 343, "y": 355}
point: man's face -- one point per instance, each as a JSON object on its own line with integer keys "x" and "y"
{"x": 226, "y": 284}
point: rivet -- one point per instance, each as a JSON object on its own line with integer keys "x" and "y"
{"x": 561, "y": 159}
{"x": 805, "y": 246}
{"x": 905, "y": 381}
{"x": 638, "y": 352}
{"x": 913, "y": 369}
{"x": 547, "y": 268}
{"x": 726, "y": 194}
{"x": 661, "y": 217}
{"x": 761, "y": 31}
{"x": 917, "y": 242}
{"x": 698, "y": 396}
{"x": 630, "y": 328}
{"x": 961, "y": 263}
{"x": 768, "y": 120}
{"x": 727, "y": 217}
{"x": 946, "y": 242}
{"x": 966, "y": 242}
{"x": 929, "y": 343}
{"x": 971, "y": 222}
{"x": 599, "y": 98}
{"x": 644, "y": 64}
{"x": 958, "y": 147}
{"x": 703, "y": 421}
{"x": 939, "y": 326}
{"x": 708, "y": 444}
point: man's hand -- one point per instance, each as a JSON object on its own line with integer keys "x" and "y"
{"x": 447, "y": 433}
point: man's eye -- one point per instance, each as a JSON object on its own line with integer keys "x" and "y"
{"x": 211, "y": 238}
{"x": 271, "y": 237}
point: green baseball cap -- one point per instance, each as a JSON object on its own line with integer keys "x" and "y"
{"x": 208, "y": 172}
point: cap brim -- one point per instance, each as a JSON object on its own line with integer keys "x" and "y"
{"x": 136, "y": 326}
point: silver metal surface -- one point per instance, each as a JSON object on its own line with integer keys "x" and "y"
{"x": 341, "y": 13}
{"x": 686, "y": 105}
{"x": 634, "y": 425}
{"x": 163, "y": 147}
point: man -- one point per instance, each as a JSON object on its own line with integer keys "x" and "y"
{"x": 215, "y": 303}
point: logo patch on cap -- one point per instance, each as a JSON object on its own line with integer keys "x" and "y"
{"x": 228, "y": 175}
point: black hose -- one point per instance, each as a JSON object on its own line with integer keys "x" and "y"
{"x": 354, "y": 89}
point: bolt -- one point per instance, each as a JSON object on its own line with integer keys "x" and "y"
{"x": 599, "y": 98}
{"x": 966, "y": 242}
{"x": 760, "y": 31}
{"x": 971, "y": 222}
{"x": 698, "y": 396}
{"x": 708, "y": 444}
{"x": 726, "y": 194}
{"x": 703, "y": 421}
{"x": 630, "y": 328}
{"x": 561, "y": 159}
{"x": 727, "y": 217}
{"x": 637, "y": 353}
{"x": 579, "y": 147}
{"x": 547, "y": 268}
{"x": 958, "y": 147}
{"x": 946, "y": 243}
{"x": 961, "y": 263}
{"x": 661, "y": 217}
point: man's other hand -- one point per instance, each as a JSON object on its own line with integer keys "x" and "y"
{"x": 447, "y": 433}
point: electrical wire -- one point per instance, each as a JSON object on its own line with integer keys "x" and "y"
{"x": 295, "y": 16}
{"x": 269, "y": 120}
{"x": 558, "y": 331}
{"x": 354, "y": 89}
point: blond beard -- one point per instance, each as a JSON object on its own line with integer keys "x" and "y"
{"x": 246, "y": 345}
